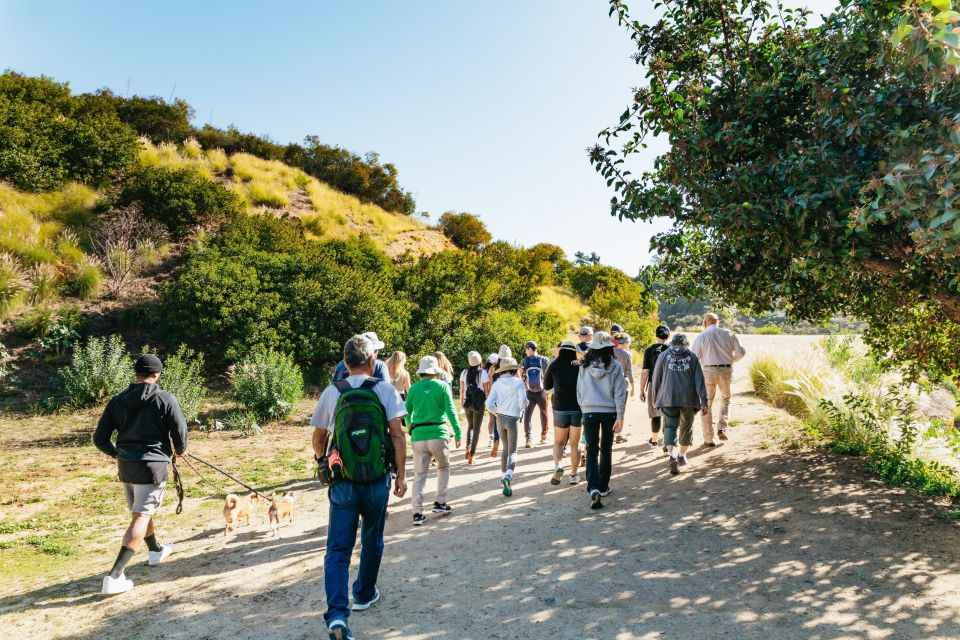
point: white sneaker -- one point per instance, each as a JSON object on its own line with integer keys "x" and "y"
{"x": 156, "y": 557}
{"x": 574, "y": 479}
{"x": 113, "y": 586}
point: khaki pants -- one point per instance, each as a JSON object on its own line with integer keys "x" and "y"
{"x": 716, "y": 379}
{"x": 423, "y": 452}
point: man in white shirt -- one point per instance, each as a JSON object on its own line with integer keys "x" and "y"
{"x": 717, "y": 349}
{"x": 351, "y": 502}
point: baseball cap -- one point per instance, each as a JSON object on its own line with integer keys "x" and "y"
{"x": 147, "y": 364}
{"x": 372, "y": 337}
{"x": 663, "y": 332}
{"x": 530, "y": 345}
{"x": 616, "y": 329}
{"x": 586, "y": 331}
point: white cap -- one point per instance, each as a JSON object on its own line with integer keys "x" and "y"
{"x": 474, "y": 358}
{"x": 372, "y": 337}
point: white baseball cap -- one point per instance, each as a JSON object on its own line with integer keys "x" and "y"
{"x": 372, "y": 337}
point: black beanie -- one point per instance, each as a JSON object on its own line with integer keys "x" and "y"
{"x": 147, "y": 365}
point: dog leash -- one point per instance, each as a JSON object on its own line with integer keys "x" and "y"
{"x": 178, "y": 482}
{"x": 219, "y": 470}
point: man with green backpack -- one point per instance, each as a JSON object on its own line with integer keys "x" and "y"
{"x": 359, "y": 438}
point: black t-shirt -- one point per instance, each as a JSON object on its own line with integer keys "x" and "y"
{"x": 650, "y": 355}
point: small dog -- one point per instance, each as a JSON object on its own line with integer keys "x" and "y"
{"x": 280, "y": 507}
{"x": 236, "y": 507}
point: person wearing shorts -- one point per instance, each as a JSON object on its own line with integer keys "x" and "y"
{"x": 150, "y": 427}
{"x": 680, "y": 392}
{"x": 561, "y": 378}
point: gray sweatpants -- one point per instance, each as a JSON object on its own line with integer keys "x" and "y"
{"x": 507, "y": 427}
{"x": 423, "y": 452}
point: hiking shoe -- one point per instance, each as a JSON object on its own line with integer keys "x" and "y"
{"x": 682, "y": 460}
{"x": 543, "y": 439}
{"x": 505, "y": 483}
{"x": 604, "y": 494}
{"x": 652, "y": 443}
{"x": 619, "y": 439}
{"x": 363, "y": 606}
{"x": 574, "y": 479}
{"x": 113, "y": 586}
{"x": 528, "y": 445}
{"x": 156, "y": 557}
{"x": 441, "y": 508}
{"x": 557, "y": 475}
{"x": 722, "y": 435}
{"x": 595, "y": 500}
{"x": 665, "y": 449}
{"x": 674, "y": 466}
{"x": 338, "y": 630}
{"x": 419, "y": 519}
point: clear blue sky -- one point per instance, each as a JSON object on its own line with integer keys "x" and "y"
{"x": 484, "y": 107}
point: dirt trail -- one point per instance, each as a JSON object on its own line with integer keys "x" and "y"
{"x": 749, "y": 542}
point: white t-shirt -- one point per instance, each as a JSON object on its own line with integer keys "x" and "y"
{"x": 482, "y": 380}
{"x": 389, "y": 398}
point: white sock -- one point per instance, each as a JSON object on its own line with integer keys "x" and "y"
{"x": 670, "y": 449}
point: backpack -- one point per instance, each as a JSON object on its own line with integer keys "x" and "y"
{"x": 534, "y": 377}
{"x": 474, "y": 397}
{"x": 361, "y": 434}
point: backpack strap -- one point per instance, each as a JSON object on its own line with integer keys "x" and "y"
{"x": 369, "y": 384}
{"x": 342, "y": 386}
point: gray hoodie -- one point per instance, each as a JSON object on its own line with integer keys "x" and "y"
{"x": 602, "y": 390}
{"x": 677, "y": 380}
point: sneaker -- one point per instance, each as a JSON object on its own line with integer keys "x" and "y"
{"x": 709, "y": 444}
{"x": 528, "y": 445}
{"x": 574, "y": 479}
{"x": 652, "y": 443}
{"x": 682, "y": 460}
{"x": 113, "y": 586}
{"x": 156, "y": 557}
{"x": 543, "y": 439}
{"x": 722, "y": 435}
{"x": 442, "y": 508}
{"x": 505, "y": 483}
{"x": 363, "y": 606}
{"x": 665, "y": 449}
{"x": 595, "y": 500}
{"x": 557, "y": 475}
{"x": 604, "y": 494}
{"x": 419, "y": 519}
{"x": 619, "y": 439}
{"x": 338, "y": 630}
{"x": 674, "y": 466}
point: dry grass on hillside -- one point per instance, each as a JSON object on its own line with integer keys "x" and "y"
{"x": 566, "y": 304}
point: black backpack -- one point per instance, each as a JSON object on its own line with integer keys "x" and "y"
{"x": 474, "y": 397}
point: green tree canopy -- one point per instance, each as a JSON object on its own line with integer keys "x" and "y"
{"x": 810, "y": 168}
{"x": 465, "y": 230}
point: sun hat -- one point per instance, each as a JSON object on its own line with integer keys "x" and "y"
{"x": 530, "y": 345}
{"x": 493, "y": 358}
{"x": 663, "y": 332}
{"x": 679, "y": 340}
{"x": 601, "y": 340}
{"x": 568, "y": 345}
{"x": 147, "y": 365}
{"x": 429, "y": 366}
{"x": 505, "y": 352}
{"x": 474, "y": 359}
{"x": 586, "y": 331}
{"x": 507, "y": 364}
{"x": 372, "y": 337}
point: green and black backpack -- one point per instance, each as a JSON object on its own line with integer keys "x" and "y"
{"x": 361, "y": 433}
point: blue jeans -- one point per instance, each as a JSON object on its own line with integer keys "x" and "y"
{"x": 349, "y": 501}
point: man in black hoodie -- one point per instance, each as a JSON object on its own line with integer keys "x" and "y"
{"x": 147, "y": 422}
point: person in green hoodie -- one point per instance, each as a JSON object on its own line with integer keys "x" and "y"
{"x": 430, "y": 405}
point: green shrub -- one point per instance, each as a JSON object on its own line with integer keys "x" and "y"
{"x": 99, "y": 369}
{"x": 44, "y": 286}
{"x": 87, "y": 282}
{"x": 13, "y": 285}
{"x": 181, "y": 376}
{"x": 180, "y": 199}
{"x": 770, "y": 330}
{"x": 245, "y": 423}
{"x": 268, "y": 384}
{"x": 35, "y": 323}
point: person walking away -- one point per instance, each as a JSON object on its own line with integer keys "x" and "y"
{"x": 430, "y": 406}
{"x": 150, "y": 432}
{"x": 474, "y": 383}
{"x": 717, "y": 349}
{"x": 561, "y": 377}
{"x": 362, "y": 416}
{"x": 398, "y": 374}
{"x": 621, "y": 344}
{"x": 508, "y": 400}
{"x": 532, "y": 368}
{"x": 380, "y": 371}
{"x": 602, "y": 395}
{"x": 446, "y": 368}
{"x": 650, "y": 355}
{"x": 492, "y": 362}
{"x": 680, "y": 392}
{"x": 586, "y": 335}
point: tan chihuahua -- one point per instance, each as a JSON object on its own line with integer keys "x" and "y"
{"x": 236, "y": 507}
{"x": 280, "y": 507}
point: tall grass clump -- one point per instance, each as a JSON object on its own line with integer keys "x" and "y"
{"x": 99, "y": 369}
{"x": 266, "y": 194}
{"x": 87, "y": 282}
{"x": 267, "y": 383}
{"x": 182, "y": 377}
{"x": 795, "y": 387}
{"x": 44, "y": 286}
{"x": 13, "y": 285}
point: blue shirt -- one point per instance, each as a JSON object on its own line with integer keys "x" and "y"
{"x": 379, "y": 372}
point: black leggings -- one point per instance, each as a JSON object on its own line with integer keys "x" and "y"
{"x": 598, "y": 428}
{"x": 535, "y": 399}
{"x": 474, "y": 422}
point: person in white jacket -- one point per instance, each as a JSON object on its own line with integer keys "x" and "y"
{"x": 508, "y": 400}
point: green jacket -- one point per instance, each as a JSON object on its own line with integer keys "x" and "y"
{"x": 428, "y": 401}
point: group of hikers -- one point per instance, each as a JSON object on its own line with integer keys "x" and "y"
{"x": 362, "y": 420}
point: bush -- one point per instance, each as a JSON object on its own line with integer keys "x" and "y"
{"x": 87, "y": 282}
{"x": 99, "y": 369}
{"x": 245, "y": 423}
{"x": 268, "y": 384}
{"x": 181, "y": 376}
{"x": 465, "y": 230}
{"x": 13, "y": 285}
{"x": 180, "y": 199}
{"x": 35, "y": 323}
{"x": 770, "y": 330}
